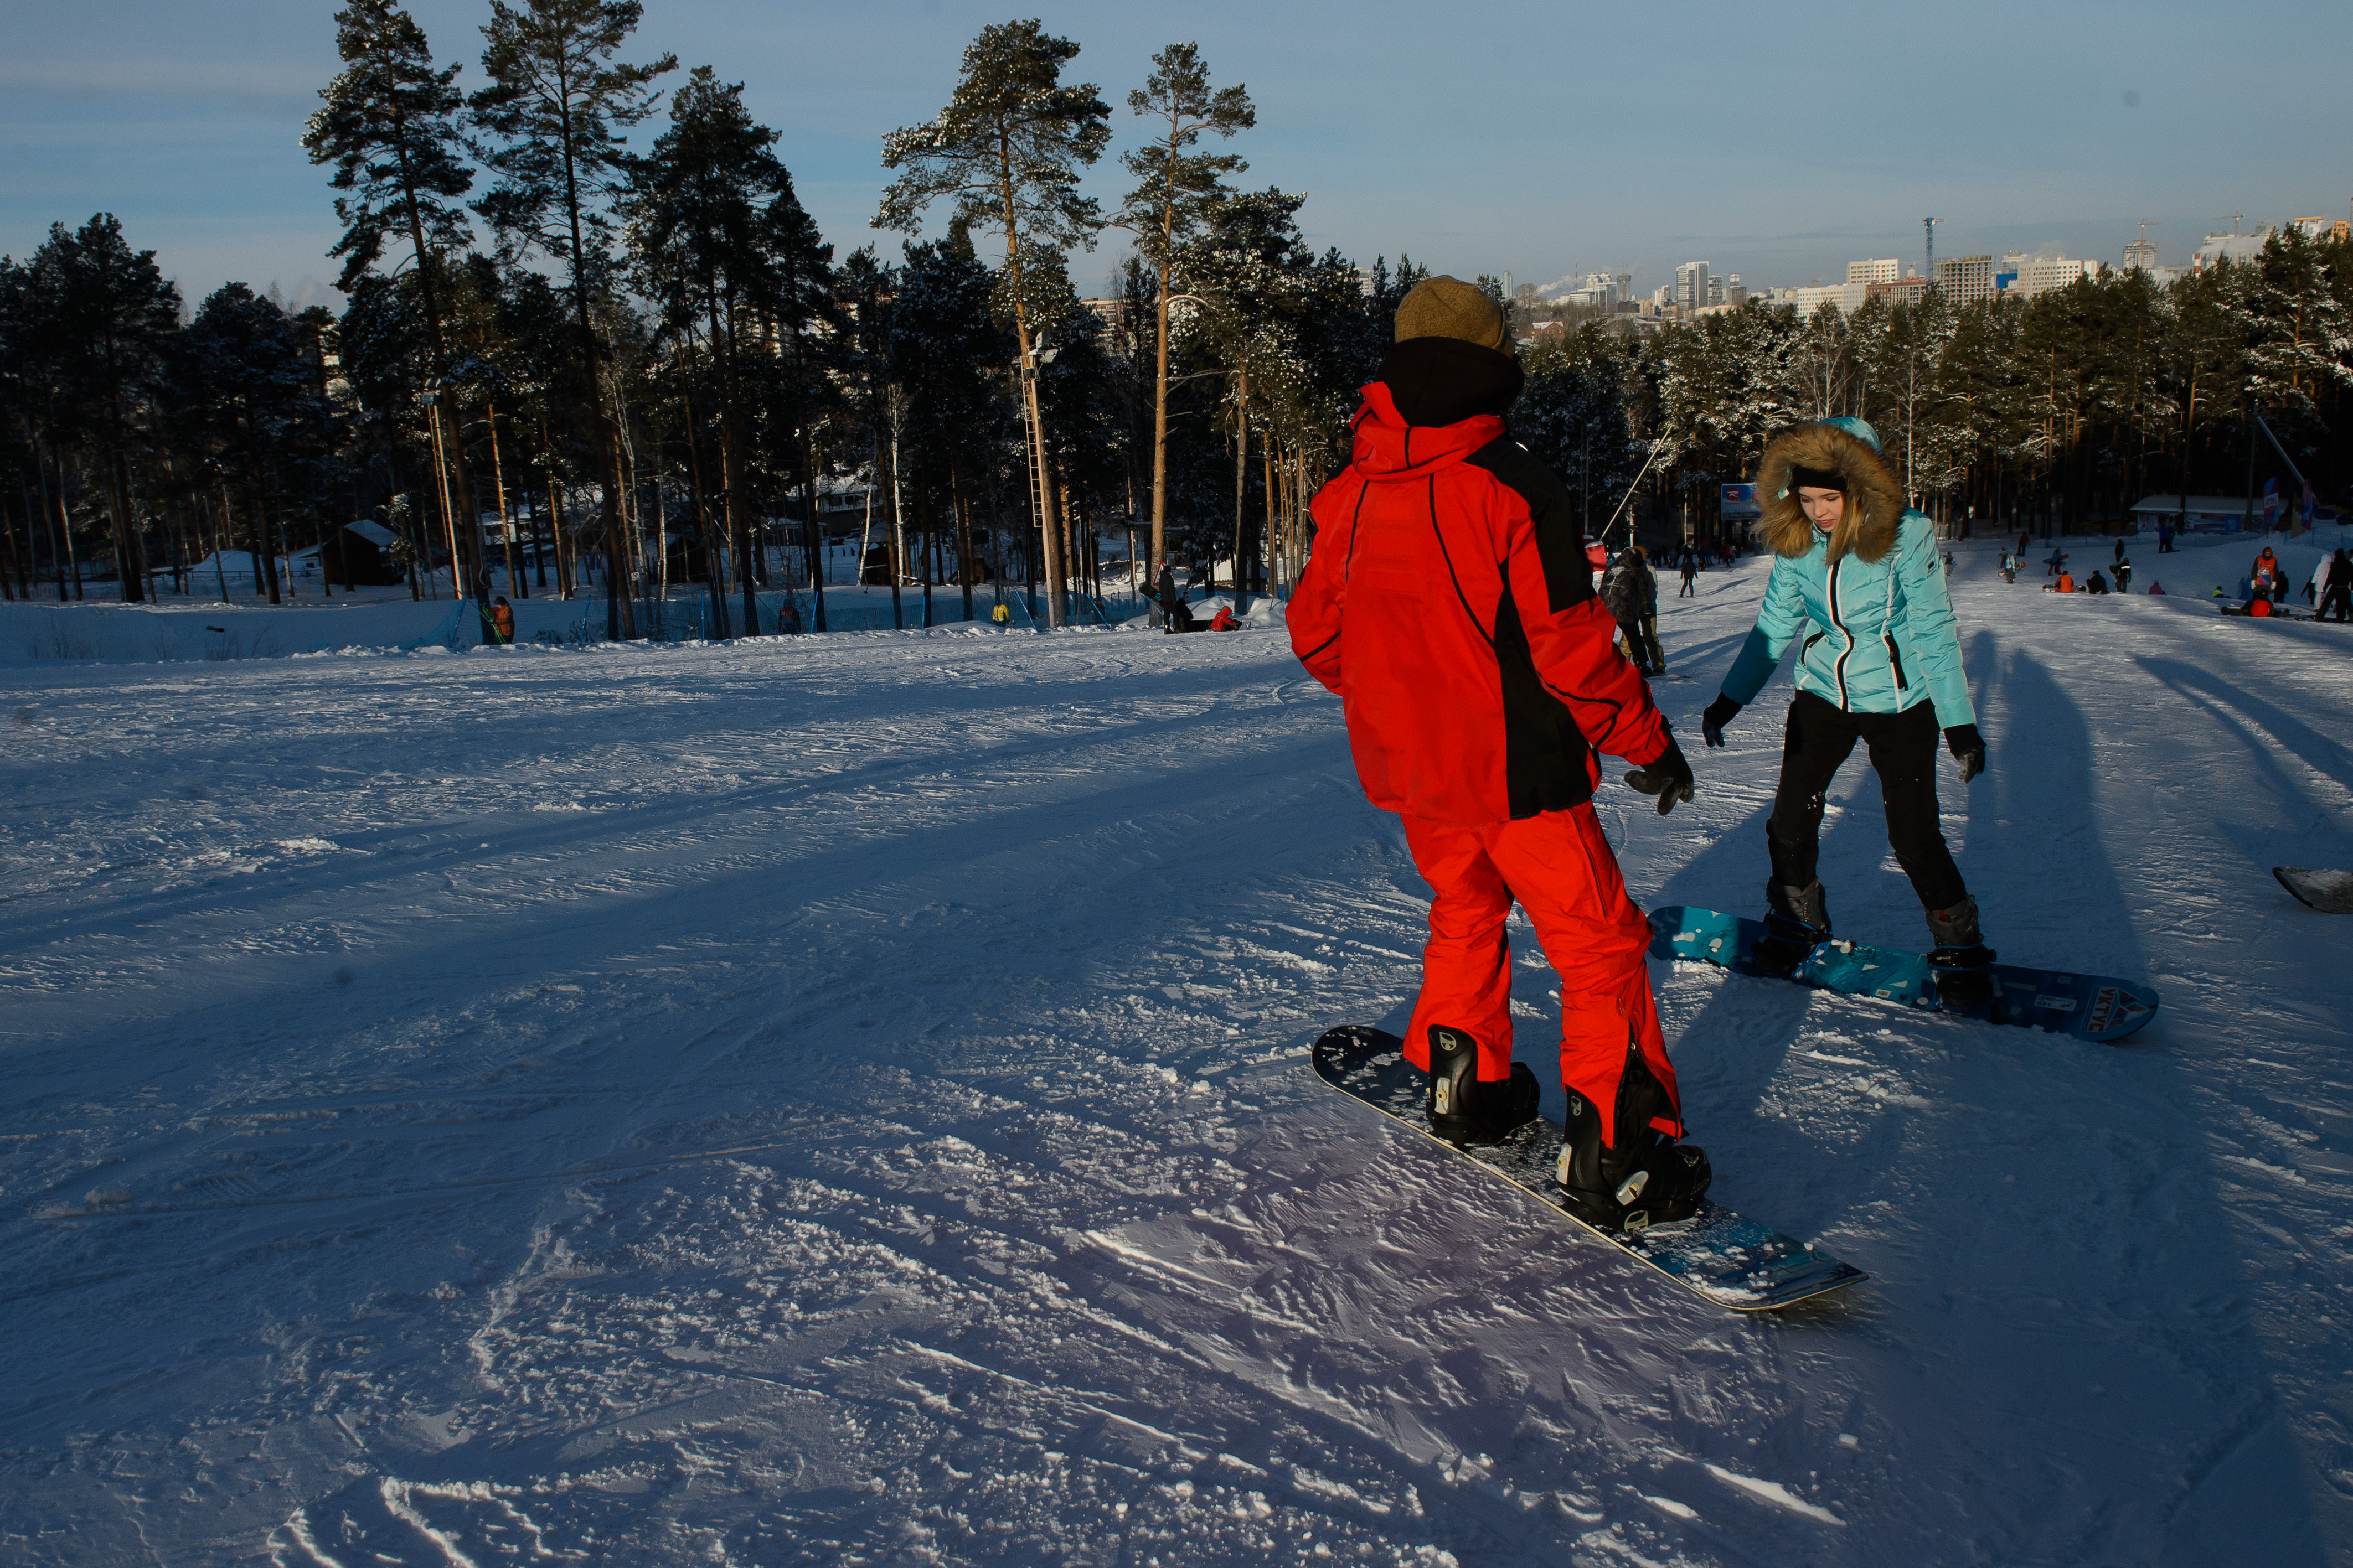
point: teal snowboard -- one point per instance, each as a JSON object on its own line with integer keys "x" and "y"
{"x": 1718, "y": 1254}
{"x": 2090, "y": 1006}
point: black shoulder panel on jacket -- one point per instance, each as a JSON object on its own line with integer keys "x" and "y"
{"x": 1560, "y": 542}
{"x": 1545, "y": 753}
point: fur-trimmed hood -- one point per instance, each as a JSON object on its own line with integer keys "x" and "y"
{"x": 1874, "y": 500}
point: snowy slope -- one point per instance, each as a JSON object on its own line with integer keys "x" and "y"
{"x": 843, "y": 1100}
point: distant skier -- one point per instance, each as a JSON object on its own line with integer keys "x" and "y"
{"x": 2265, "y": 572}
{"x": 1691, "y": 575}
{"x": 2336, "y": 589}
{"x": 1178, "y": 615}
{"x": 1883, "y": 666}
{"x": 1630, "y": 594}
{"x": 502, "y": 620}
{"x": 2124, "y": 575}
{"x": 1476, "y": 674}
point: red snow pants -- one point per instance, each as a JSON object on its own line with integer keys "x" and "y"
{"x": 1560, "y": 869}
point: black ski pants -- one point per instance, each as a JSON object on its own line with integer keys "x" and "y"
{"x": 1903, "y": 748}
{"x": 2338, "y": 598}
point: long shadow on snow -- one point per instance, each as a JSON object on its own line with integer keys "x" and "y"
{"x": 2233, "y": 707}
{"x": 1986, "y": 1101}
{"x": 2006, "y": 1102}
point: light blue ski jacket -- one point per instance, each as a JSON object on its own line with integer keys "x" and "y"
{"x": 1880, "y": 636}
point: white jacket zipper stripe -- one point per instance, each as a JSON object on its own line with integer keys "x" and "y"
{"x": 1838, "y": 621}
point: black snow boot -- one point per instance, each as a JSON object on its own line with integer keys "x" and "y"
{"x": 1960, "y": 957}
{"x": 1646, "y": 1178}
{"x": 1462, "y": 1110}
{"x": 1795, "y": 920}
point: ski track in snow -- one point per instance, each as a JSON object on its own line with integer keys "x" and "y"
{"x": 844, "y": 1100}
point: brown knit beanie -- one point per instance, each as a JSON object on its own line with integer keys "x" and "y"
{"x": 1445, "y": 307}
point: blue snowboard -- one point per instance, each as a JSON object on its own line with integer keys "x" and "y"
{"x": 1717, "y": 1255}
{"x": 2089, "y": 1007}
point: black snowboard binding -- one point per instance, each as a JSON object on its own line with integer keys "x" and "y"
{"x": 1960, "y": 957}
{"x": 1795, "y": 920}
{"x": 1646, "y": 1178}
{"x": 1462, "y": 1110}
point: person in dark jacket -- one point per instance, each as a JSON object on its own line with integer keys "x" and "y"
{"x": 1691, "y": 574}
{"x": 1881, "y": 662}
{"x": 2336, "y": 589}
{"x": 1449, "y": 603}
{"x": 1630, "y": 594}
{"x": 1178, "y": 616}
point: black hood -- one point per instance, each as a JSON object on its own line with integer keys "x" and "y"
{"x": 1444, "y": 381}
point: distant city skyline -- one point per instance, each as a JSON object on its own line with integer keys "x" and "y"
{"x": 1545, "y": 143}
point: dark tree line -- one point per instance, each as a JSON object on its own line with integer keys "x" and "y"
{"x": 570, "y": 365}
{"x": 2058, "y": 411}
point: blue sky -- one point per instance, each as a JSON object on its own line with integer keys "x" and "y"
{"x": 1776, "y": 142}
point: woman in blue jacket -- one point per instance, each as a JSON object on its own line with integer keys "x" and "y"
{"x": 1856, "y": 574}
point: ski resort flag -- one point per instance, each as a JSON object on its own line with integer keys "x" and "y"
{"x": 2271, "y": 503}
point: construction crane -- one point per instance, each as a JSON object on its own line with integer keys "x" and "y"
{"x": 1929, "y": 224}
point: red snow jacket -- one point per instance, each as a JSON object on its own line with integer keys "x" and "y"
{"x": 1449, "y": 603}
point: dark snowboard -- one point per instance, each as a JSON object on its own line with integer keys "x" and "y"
{"x": 1718, "y": 1254}
{"x": 2091, "y": 1006}
{"x": 2330, "y": 892}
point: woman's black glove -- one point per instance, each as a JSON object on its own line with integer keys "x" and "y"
{"x": 1669, "y": 777}
{"x": 1720, "y": 712}
{"x": 1967, "y": 749}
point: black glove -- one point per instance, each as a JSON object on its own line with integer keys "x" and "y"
{"x": 1967, "y": 749}
{"x": 1720, "y": 712}
{"x": 1669, "y": 777}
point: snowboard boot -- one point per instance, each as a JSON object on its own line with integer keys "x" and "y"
{"x": 1960, "y": 957}
{"x": 1646, "y": 1178}
{"x": 1795, "y": 920}
{"x": 1462, "y": 1108}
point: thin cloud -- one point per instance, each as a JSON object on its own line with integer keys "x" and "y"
{"x": 243, "y": 81}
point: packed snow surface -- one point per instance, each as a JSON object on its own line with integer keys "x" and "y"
{"x": 844, "y": 1100}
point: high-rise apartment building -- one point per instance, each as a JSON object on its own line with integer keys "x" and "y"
{"x": 2140, "y": 256}
{"x": 1884, "y": 271}
{"x": 1691, "y": 285}
{"x": 1966, "y": 279}
{"x": 2022, "y": 277}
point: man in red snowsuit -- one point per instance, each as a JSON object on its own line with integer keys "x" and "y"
{"x": 1450, "y": 605}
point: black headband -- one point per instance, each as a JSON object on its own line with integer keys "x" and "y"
{"x": 1816, "y": 480}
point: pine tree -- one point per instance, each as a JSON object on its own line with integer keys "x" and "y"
{"x": 555, "y": 109}
{"x": 107, "y": 317}
{"x": 699, "y": 225}
{"x": 389, "y": 123}
{"x": 1008, "y": 149}
{"x": 943, "y": 341}
{"x": 1177, "y": 189}
{"x": 257, "y": 402}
